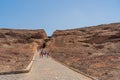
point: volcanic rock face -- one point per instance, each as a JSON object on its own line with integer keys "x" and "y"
{"x": 93, "y": 50}
{"x": 17, "y": 47}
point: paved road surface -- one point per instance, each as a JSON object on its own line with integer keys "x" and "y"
{"x": 46, "y": 69}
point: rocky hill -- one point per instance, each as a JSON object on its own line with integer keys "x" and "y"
{"x": 93, "y": 50}
{"x": 17, "y": 47}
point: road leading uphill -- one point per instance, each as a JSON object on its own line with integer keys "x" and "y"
{"x": 46, "y": 69}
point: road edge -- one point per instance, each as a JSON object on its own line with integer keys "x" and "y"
{"x": 76, "y": 70}
{"x": 26, "y": 70}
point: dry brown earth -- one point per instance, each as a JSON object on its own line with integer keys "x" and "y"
{"x": 93, "y": 50}
{"x": 17, "y": 48}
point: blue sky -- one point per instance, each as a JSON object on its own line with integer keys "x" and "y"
{"x": 57, "y": 14}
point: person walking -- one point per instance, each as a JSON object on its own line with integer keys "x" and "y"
{"x": 41, "y": 52}
{"x": 44, "y": 52}
{"x": 47, "y": 54}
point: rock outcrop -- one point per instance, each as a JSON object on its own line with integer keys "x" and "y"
{"x": 17, "y": 47}
{"x": 93, "y": 50}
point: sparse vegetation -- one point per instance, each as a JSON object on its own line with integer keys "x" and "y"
{"x": 17, "y": 48}
{"x": 95, "y": 51}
